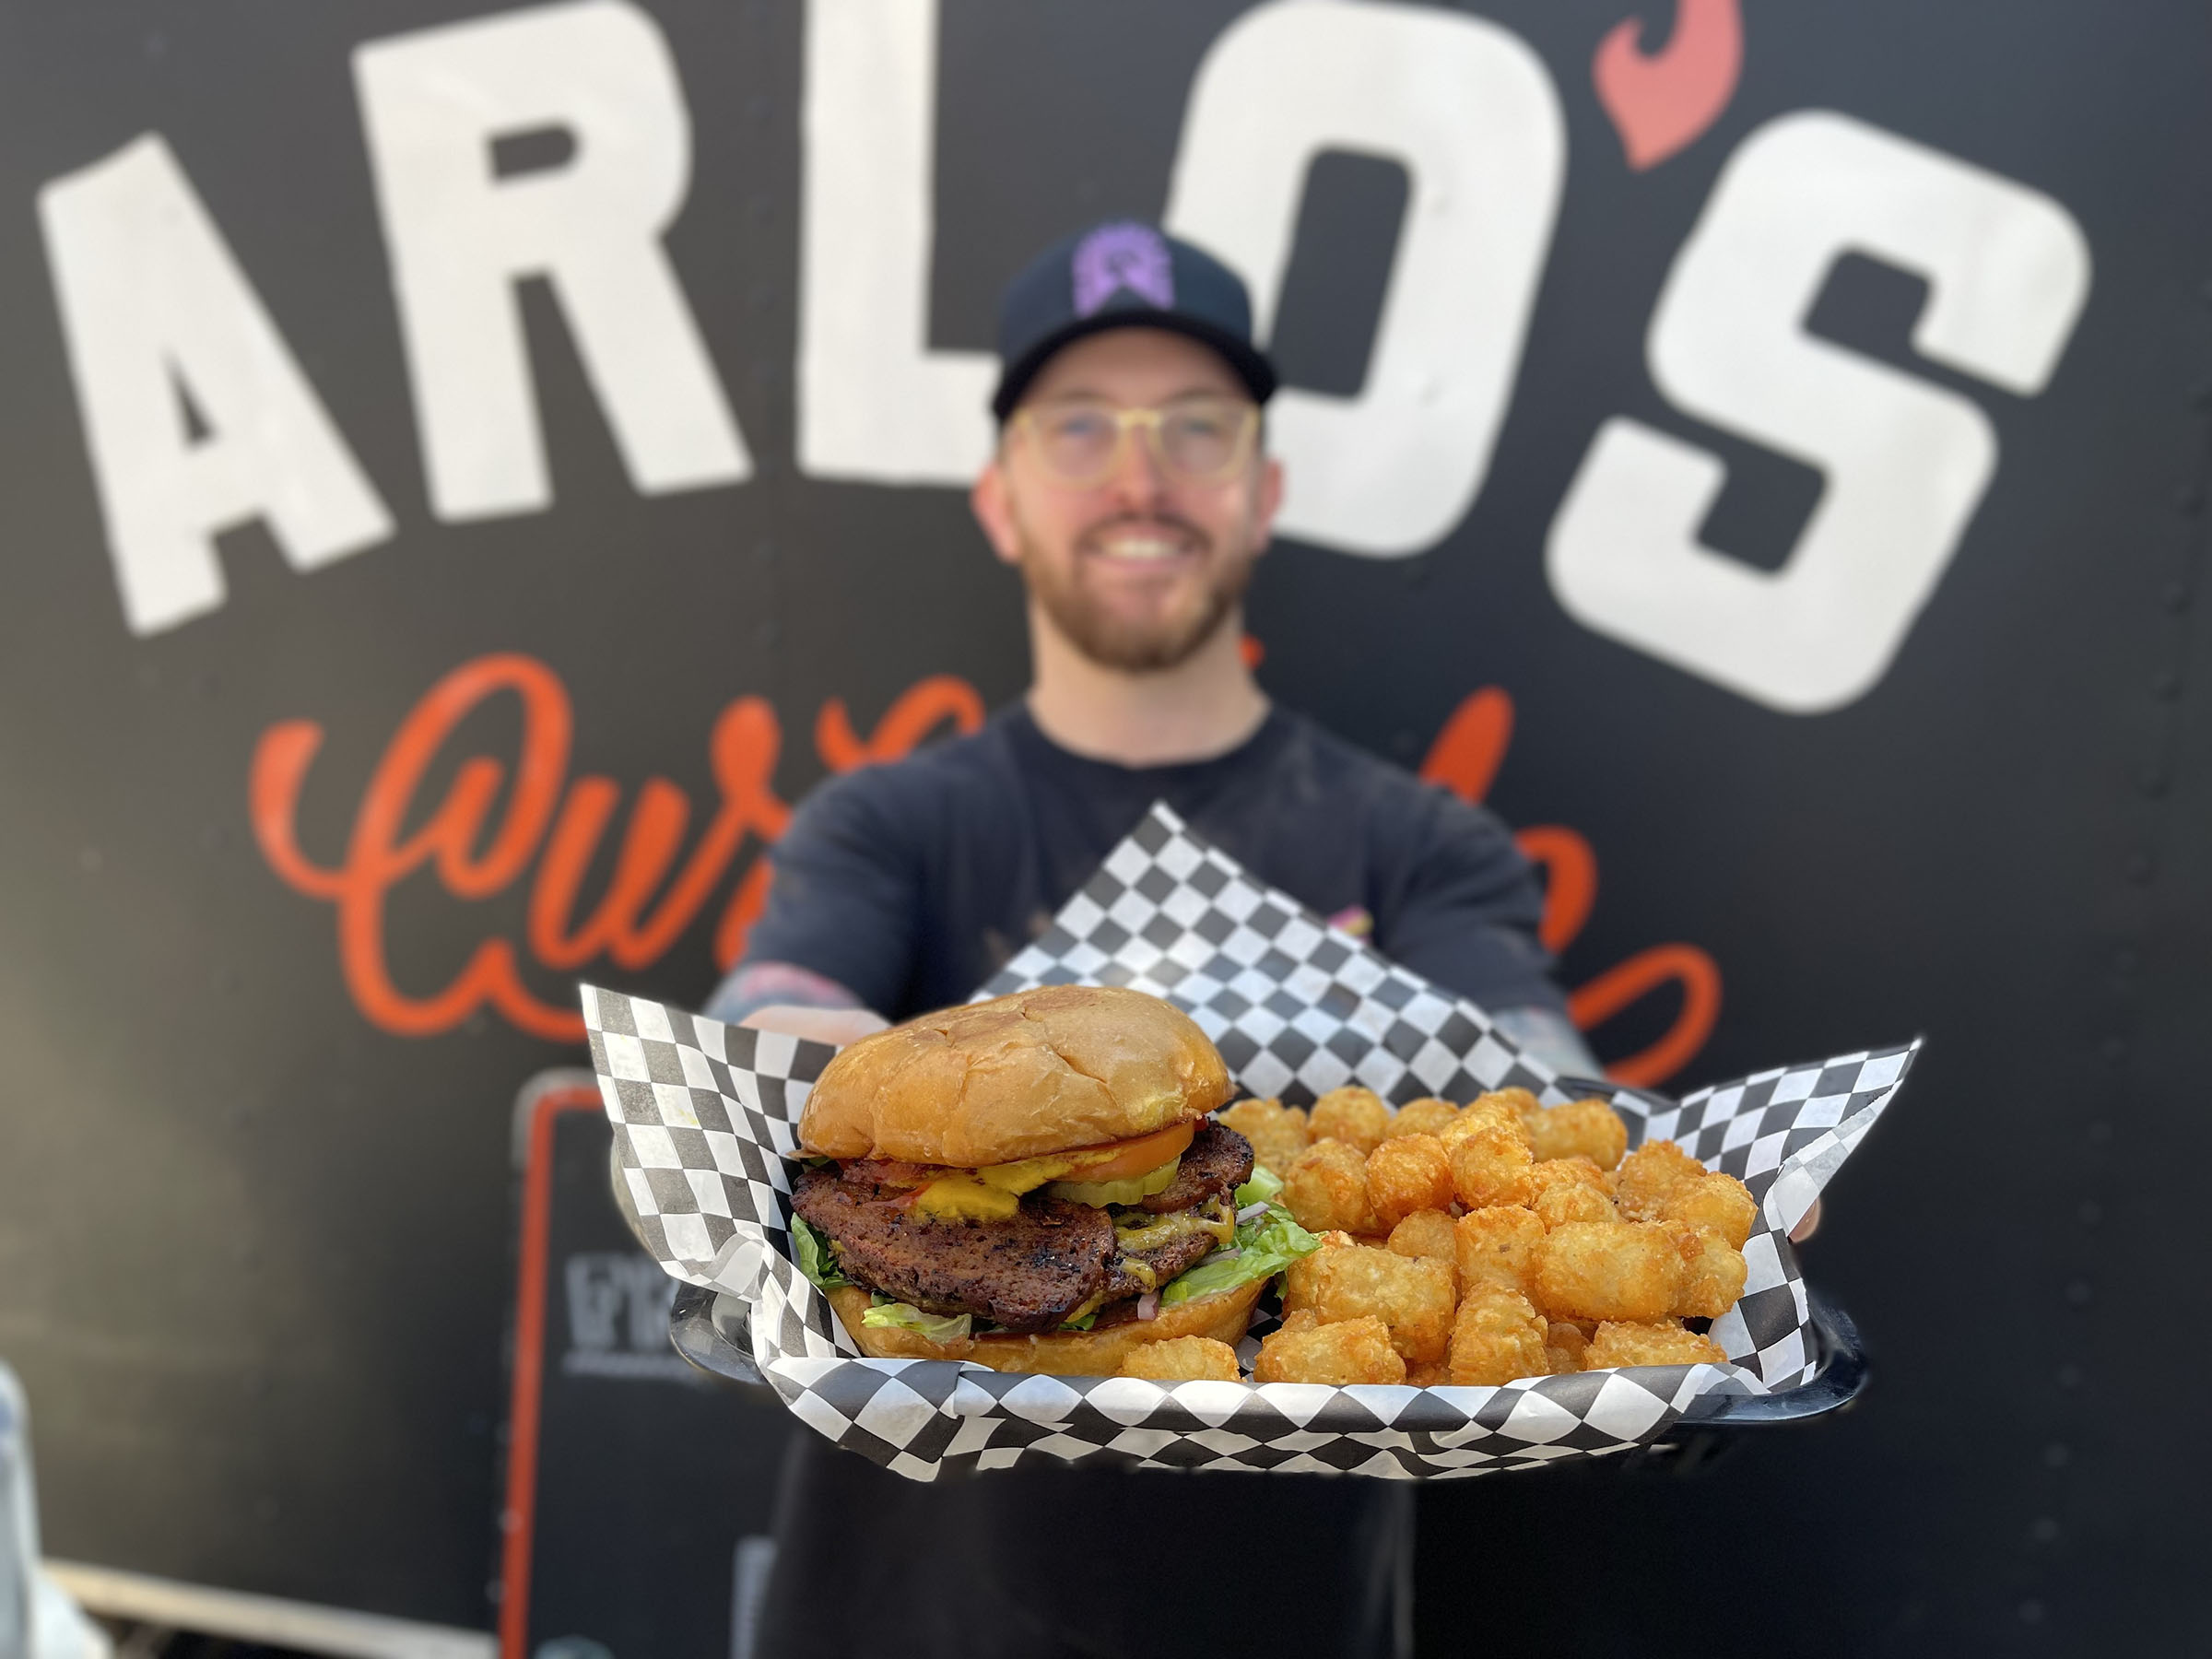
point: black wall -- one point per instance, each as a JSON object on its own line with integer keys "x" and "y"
{"x": 254, "y": 1245}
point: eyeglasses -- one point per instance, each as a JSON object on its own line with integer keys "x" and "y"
{"x": 1081, "y": 440}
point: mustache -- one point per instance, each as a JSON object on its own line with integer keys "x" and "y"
{"x": 1180, "y": 528}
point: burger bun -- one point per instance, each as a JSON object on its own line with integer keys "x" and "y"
{"x": 1019, "y": 1076}
{"x": 1095, "y": 1353}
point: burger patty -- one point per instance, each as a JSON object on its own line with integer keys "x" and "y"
{"x": 1034, "y": 1269}
{"x": 1027, "y": 1273}
{"x": 1217, "y": 1160}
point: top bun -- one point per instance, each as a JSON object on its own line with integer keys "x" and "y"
{"x": 1042, "y": 1071}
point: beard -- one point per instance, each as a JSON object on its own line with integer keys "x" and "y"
{"x": 1132, "y": 645}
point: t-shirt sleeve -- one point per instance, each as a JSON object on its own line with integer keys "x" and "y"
{"x": 1458, "y": 902}
{"x": 845, "y": 900}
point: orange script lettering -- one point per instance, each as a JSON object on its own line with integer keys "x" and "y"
{"x": 657, "y": 890}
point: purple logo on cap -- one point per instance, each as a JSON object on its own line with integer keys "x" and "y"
{"x": 1126, "y": 256}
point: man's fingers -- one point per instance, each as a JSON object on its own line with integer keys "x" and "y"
{"x": 1808, "y": 1225}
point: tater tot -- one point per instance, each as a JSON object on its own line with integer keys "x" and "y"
{"x": 1607, "y": 1270}
{"x": 1564, "y": 1347}
{"x": 1428, "y": 1374}
{"x": 1567, "y": 1200}
{"x": 1490, "y": 1111}
{"x": 1428, "y": 1116}
{"x": 1412, "y": 1172}
{"x": 1352, "y": 1350}
{"x": 1650, "y": 1343}
{"x": 1277, "y": 1133}
{"x": 1519, "y": 1101}
{"x": 1430, "y": 1232}
{"x": 1716, "y": 1203}
{"x": 1496, "y": 1246}
{"x": 1588, "y": 1128}
{"x": 1300, "y": 1277}
{"x": 1491, "y": 1166}
{"x": 1412, "y": 1295}
{"x": 1326, "y": 1188}
{"x": 1713, "y": 1274}
{"x": 1183, "y": 1359}
{"x": 1648, "y": 1176}
{"x": 1495, "y": 1337}
{"x": 1549, "y": 1171}
{"x": 1354, "y": 1114}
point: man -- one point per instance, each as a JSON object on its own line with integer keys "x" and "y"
{"x": 1132, "y": 491}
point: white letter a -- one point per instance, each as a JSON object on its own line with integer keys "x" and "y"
{"x": 154, "y": 308}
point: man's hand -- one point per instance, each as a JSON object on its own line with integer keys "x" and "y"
{"x": 838, "y": 1026}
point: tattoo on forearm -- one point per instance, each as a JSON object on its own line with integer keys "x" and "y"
{"x": 752, "y": 986}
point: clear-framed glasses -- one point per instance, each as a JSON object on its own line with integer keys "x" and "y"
{"x": 1201, "y": 440}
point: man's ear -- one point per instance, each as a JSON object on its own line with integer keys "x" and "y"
{"x": 992, "y": 503}
{"x": 1270, "y": 499}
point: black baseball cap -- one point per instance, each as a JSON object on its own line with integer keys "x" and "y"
{"x": 1124, "y": 274}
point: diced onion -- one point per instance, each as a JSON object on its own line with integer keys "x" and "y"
{"x": 1148, "y": 1305}
{"x": 1250, "y": 1212}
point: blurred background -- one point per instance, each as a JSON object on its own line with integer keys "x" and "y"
{"x": 469, "y": 470}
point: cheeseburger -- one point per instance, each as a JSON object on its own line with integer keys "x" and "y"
{"x": 1022, "y": 1182}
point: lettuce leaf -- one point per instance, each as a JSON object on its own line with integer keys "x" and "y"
{"x": 1261, "y": 1189}
{"x": 904, "y": 1316}
{"x": 1267, "y": 1245}
{"x": 815, "y": 1259}
{"x": 1083, "y": 1324}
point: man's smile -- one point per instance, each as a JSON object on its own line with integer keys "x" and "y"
{"x": 1147, "y": 547}
{"x": 1140, "y": 549}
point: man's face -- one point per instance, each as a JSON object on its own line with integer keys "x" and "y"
{"x": 1141, "y": 567}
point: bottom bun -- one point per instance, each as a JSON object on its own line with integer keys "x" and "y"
{"x": 1223, "y": 1316}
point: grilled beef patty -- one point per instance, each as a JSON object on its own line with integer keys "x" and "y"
{"x": 1027, "y": 1273}
{"x": 1217, "y": 1160}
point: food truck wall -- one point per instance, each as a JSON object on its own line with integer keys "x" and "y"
{"x": 1765, "y": 456}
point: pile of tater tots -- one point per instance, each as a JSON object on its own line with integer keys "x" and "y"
{"x": 1476, "y": 1244}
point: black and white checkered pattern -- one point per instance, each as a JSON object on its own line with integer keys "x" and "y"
{"x": 1296, "y": 1006}
{"x": 704, "y": 1117}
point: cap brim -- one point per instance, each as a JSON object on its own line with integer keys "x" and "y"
{"x": 1252, "y": 367}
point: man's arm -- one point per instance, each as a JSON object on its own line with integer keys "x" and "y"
{"x": 1457, "y": 902}
{"x": 784, "y": 997}
{"x": 836, "y": 938}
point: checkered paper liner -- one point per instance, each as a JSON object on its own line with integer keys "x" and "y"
{"x": 1296, "y": 1006}
{"x": 705, "y": 1118}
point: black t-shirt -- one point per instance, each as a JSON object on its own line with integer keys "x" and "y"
{"x": 912, "y": 883}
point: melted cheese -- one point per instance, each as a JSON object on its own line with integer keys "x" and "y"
{"x": 993, "y": 1193}
{"x": 964, "y": 1198}
{"x": 1180, "y": 1225}
{"x": 1026, "y": 1176}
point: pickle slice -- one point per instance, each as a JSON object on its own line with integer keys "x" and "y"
{"x": 1128, "y": 1190}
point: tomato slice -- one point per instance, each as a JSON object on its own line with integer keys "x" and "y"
{"x": 1122, "y": 1159}
{"x": 1112, "y": 1161}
